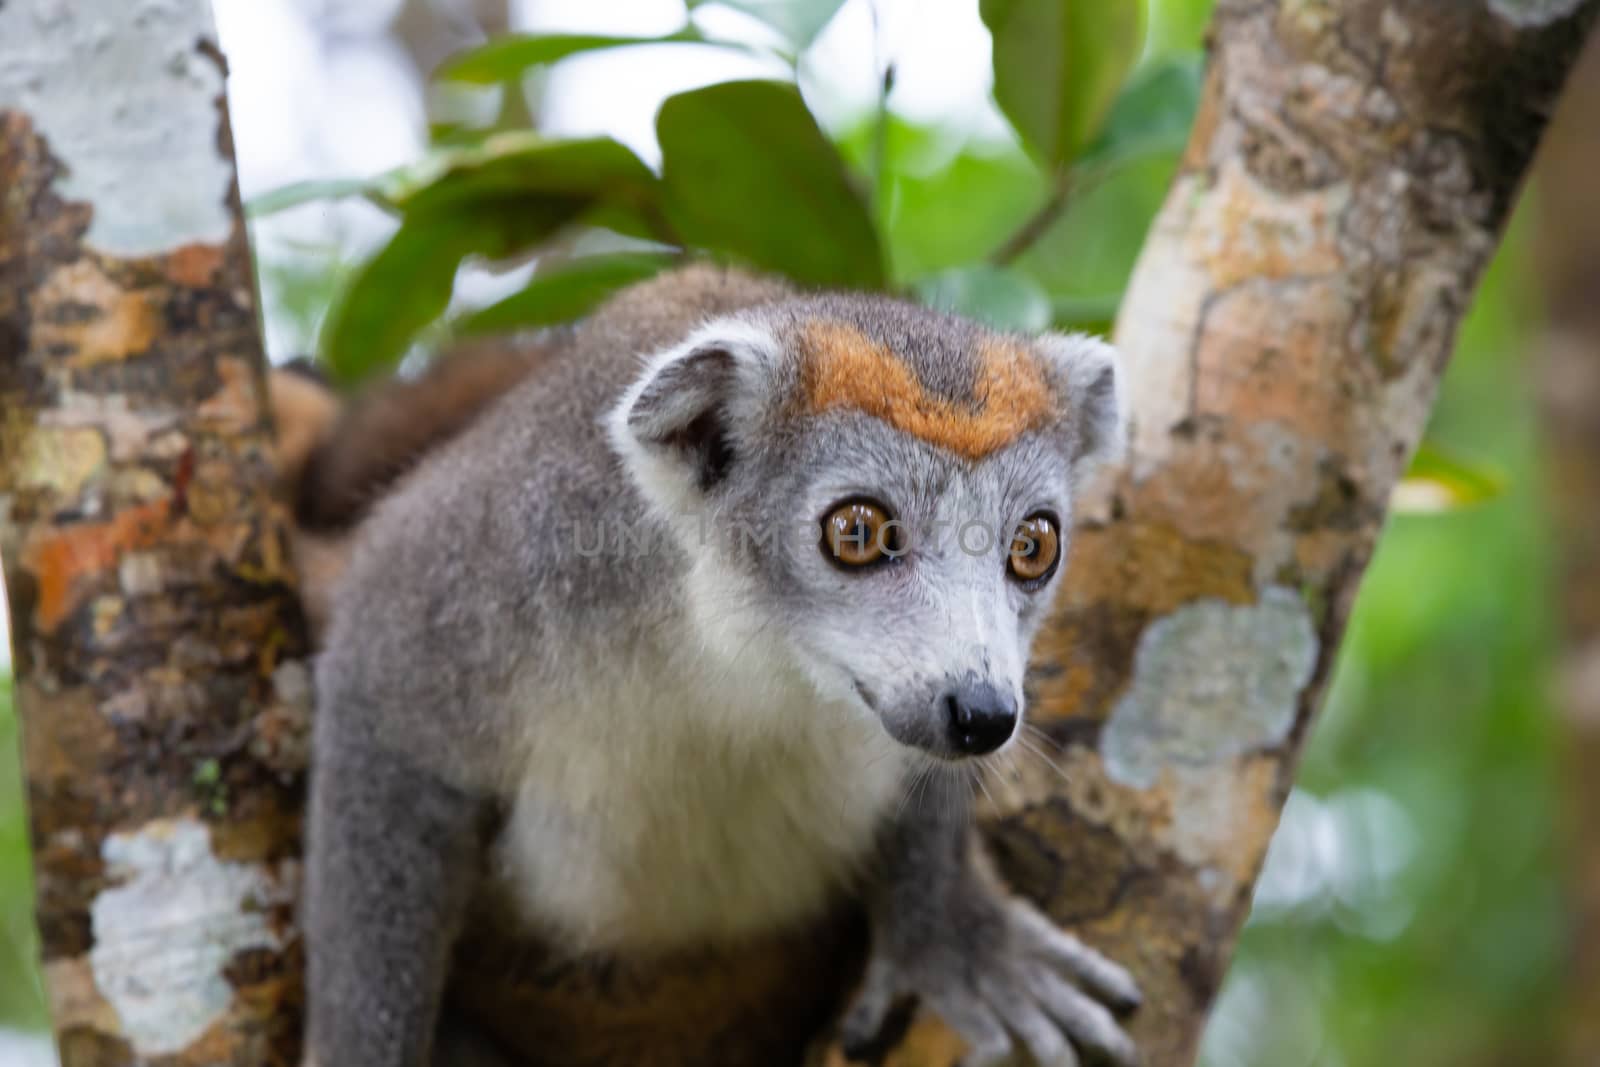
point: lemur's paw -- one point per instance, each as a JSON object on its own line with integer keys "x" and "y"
{"x": 1004, "y": 988}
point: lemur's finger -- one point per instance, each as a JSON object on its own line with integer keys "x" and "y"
{"x": 997, "y": 1054}
{"x": 1087, "y": 1021}
{"x": 1025, "y": 1018}
{"x": 988, "y": 1043}
{"x": 869, "y": 1011}
{"x": 1100, "y": 976}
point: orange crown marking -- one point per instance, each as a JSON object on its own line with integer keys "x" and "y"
{"x": 840, "y": 368}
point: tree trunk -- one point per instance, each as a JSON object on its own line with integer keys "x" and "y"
{"x": 1568, "y": 242}
{"x": 158, "y": 648}
{"x": 1297, "y": 300}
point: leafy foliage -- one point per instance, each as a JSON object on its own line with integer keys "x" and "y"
{"x": 511, "y": 57}
{"x": 1152, "y": 116}
{"x": 798, "y": 21}
{"x": 565, "y": 292}
{"x": 999, "y": 296}
{"x": 1058, "y": 67}
{"x": 1440, "y": 480}
{"x": 21, "y": 998}
{"x": 748, "y": 175}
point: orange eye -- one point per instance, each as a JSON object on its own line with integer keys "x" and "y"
{"x": 859, "y": 533}
{"x": 1036, "y": 549}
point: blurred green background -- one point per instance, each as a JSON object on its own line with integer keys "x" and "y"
{"x": 1412, "y": 910}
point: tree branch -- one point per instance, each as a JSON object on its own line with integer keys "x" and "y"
{"x": 1036, "y": 225}
{"x": 1297, "y": 300}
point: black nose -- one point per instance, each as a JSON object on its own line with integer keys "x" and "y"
{"x": 981, "y": 718}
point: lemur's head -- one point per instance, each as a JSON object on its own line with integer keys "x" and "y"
{"x": 885, "y": 490}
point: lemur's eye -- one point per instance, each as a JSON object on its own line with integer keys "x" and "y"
{"x": 1035, "y": 550}
{"x": 859, "y": 533}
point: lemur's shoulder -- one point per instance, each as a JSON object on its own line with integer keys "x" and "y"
{"x": 338, "y": 458}
{"x": 360, "y": 449}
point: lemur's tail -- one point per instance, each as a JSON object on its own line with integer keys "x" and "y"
{"x": 338, "y": 459}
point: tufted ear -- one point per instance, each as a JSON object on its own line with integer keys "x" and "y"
{"x": 1088, "y": 373}
{"x": 675, "y": 427}
{"x": 681, "y": 412}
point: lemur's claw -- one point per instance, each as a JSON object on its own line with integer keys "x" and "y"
{"x": 1007, "y": 997}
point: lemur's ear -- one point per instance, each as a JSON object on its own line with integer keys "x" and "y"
{"x": 1088, "y": 374}
{"x": 676, "y": 426}
{"x": 682, "y": 410}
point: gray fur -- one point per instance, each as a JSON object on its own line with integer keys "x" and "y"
{"x": 686, "y": 737}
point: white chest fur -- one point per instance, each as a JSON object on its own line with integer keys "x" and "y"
{"x": 661, "y": 814}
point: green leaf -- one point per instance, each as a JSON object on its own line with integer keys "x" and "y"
{"x": 510, "y": 56}
{"x": 1058, "y": 65}
{"x": 565, "y": 293}
{"x": 407, "y": 285}
{"x": 1154, "y": 114}
{"x": 494, "y": 199}
{"x": 519, "y": 164}
{"x": 999, "y": 296}
{"x": 798, "y": 21}
{"x": 747, "y": 172}
{"x": 1095, "y": 313}
{"x": 1440, "y": 481}
{"x": 1091, "y": 251}
{"x": 947, "y": 199}
{"x": 1179, "y": 25}
{"x": 505, "y": 163}
{"x": 296, "y": 193}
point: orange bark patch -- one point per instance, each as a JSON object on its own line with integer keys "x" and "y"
{"x": 1153, "y": 567}
{"x": 843, "y": 369}
{"x": 67, "y": 559}
{"x": 111, "y": 323}
{"x": 195, "y": 266}
{"x": 1274, "y": 355}
{"x": 1247, "y": 233}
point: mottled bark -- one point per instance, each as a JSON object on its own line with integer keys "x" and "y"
{"x": 1568, "y": 243}
{"x": 157, "y": 645}
{"x": 1352, "y": 168}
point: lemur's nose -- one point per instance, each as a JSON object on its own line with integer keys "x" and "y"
{"x": 981, "y": 718}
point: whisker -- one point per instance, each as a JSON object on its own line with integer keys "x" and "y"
{"x": 1033, "y": 731}
{"x": 926, "y": 781}
{"x": 905, "y": 797}
{"x": 977, "y": 776}
{"x": 1028, "y": 746}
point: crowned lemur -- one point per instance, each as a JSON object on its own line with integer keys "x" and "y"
{"x": 651, "y": 626}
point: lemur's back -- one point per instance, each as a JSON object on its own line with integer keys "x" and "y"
{"x": 340, "y": 460}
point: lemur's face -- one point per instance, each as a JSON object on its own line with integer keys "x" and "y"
{"x": 888, "y": 489}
